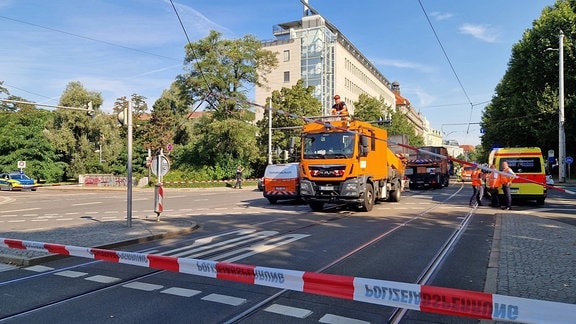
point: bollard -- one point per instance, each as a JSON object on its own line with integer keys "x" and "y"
{"x": 158, "y": 200}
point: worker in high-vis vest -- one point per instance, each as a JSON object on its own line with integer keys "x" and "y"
{"x": 478, "y": 193}
{"x": 493, "y": 184}
{"x": 506, "y": 180}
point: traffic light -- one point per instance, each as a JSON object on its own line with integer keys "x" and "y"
{"x": 123, "y": 117}
{"x": 89, "y": 109}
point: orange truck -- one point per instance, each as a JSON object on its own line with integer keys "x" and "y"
{"x": 429, "y": 171}
{"x": 348, "y": 162}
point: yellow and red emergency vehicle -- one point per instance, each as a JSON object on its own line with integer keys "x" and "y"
{"x": 528, "y": 165}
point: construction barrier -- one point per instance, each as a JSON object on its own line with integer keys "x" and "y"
{"x": 423, "y": 298}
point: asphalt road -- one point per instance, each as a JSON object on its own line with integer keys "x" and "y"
{"x": 241, "y": 226}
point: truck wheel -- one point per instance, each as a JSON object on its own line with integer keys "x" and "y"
{"x": 540, "y": 201}
{"x": 447, "y": 181}
{"x": 395, "y": 194}
{"x": 368, "y": 198}
{"x": 316, "y": 206}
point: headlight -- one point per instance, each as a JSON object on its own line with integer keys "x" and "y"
{"x": 350, "y": 188}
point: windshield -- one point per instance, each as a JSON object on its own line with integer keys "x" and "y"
{"x": 19, "y": 176}
{"x": 329, "y": 146}
{"x": 524, "y": 164}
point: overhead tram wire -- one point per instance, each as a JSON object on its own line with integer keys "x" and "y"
{"x": 449, "y": 63}
{"x": 195, "y": 58}
{"x": 87, "y": 38}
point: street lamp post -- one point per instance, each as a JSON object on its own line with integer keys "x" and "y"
{"x": 561, "y": 135}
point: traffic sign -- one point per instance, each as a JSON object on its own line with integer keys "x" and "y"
{"x": 569, "y": 160}
{"x": 164, "y": 165}
{"x": 21, "y": 164}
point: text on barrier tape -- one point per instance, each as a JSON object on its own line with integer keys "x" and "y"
{"x": 424, "y": 298}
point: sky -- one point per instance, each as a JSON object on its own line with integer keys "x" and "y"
{"x": 448, "y": 56}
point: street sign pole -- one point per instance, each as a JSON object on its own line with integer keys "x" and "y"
{"x": 129, "y": 166}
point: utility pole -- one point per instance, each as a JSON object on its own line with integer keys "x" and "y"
{"x": 561, "y": 135}
{"x": 270, "y": 132}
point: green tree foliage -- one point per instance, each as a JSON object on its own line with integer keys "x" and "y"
{"x": 524, "y": 110}
{"x": 369, "y": 108}
{"x": 22, "y": 138}
{"x": 219, "y": 147}
{"x": 74, "y": 134}
{"x": 286, "y": 104}
{"x": 220, "y": 72}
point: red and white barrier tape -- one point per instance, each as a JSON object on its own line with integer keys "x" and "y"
{"x": 387, "y": 293}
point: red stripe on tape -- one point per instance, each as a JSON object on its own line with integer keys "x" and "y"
{"x": 235, "y": 272}
{"x": 329, "y": 285}
{"x": 106, "y": 255}
{"x": 164, "y": 262}
{"x": 456, "y": 302}
{"x": 56, "y": 248}
{"x": 15, "y": 244}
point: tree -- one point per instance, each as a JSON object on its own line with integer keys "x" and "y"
{"x": 74, "y": 134}
{"x": 22, "y": 138}
{"x": 295, "y": 101}
{"x": 369, "y": 108}
{"x": 221, "y": 71}
{"x": 524, "y": 109}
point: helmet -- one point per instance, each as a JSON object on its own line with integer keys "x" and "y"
{"x": 336, "y": 97}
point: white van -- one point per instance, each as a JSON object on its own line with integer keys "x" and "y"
{"x": 281, "y": 181}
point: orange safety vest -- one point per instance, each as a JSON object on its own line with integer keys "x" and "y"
{"x": 476, "y": 177}
{"x": 494, "y": 180}
{"x": 507, "y": 179}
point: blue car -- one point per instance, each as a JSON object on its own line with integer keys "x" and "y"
{"x": 17, "y": 181}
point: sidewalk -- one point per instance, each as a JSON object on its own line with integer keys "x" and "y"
{"x": 108, "y": 235}
{"x": 533, "y": 257}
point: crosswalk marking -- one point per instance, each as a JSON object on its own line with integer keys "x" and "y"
{"x": 288, "y": 311}
{"x": 182, "y": 292}
{"x": 143, "y": 286}
{"x": 71, "y": 274}
{"x": 223, "y": 299}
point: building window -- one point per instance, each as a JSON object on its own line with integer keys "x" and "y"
{"x": 287, "y": 76}
{"x": 286, "y": 55}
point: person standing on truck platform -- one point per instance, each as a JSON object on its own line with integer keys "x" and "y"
{"x": 239, "y": 171}
{"x": 506, "y": 181}
{"x": 478, "y": 193}
{"x": 493, "y": 182}
{"x": 339, "y": 108}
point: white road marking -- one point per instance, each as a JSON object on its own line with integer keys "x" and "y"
{"x": 88, "y": 203}
{"x": 288, "y": 311}
{"x": 39, "y": 268}
{"x": 18, "y": 210}
{"x": 223, "y": 299}
{"x": 335, "y": 319}
{"x": 260, "y": 248}
{"x": 182, "y": 292}
{"x": 102, "y": 279}
{"x": 143, "y": 286}
{"x": 71, "y": 274}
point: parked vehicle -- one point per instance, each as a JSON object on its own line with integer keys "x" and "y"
{"x": 17, "y": 181}
{"x": 466, "y": 174}
{"x": 281, "y": 181}
{"x": 528, "y": 165}
{"x": 348, "y": 162}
